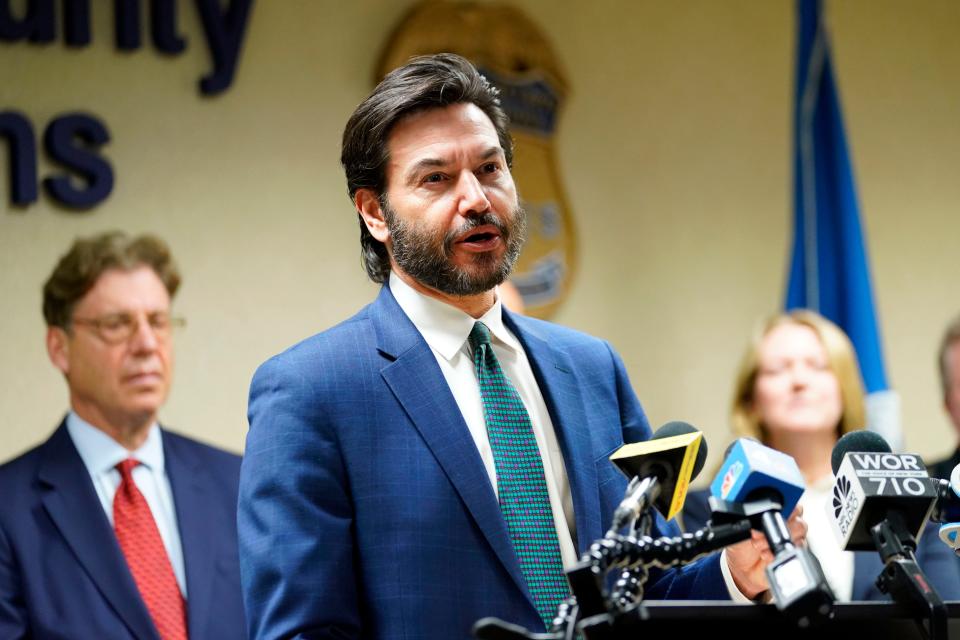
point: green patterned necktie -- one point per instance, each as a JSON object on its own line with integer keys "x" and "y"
{"x": 520, "y": 480}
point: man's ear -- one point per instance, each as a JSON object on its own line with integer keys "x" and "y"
{"x": 368, "y": 206}
{"x": 58, "y": 348}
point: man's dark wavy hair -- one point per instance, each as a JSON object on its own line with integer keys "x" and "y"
{"x": 425, "y": 82}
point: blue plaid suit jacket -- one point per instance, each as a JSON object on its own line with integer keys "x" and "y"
{"x": 365, "y": 510}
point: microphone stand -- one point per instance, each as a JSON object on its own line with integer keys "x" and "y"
{"x": 628, "y": 589}
{"x": 903, "y": 579}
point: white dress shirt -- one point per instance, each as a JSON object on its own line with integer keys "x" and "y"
{"x": 101, "y": 454}
{"x": 837, "y": 564}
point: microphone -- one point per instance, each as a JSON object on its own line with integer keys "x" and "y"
{"x": 661, "y": 469}
{"x": 874, "y": 485}
{"x": 948, "y": 508}
{"x": 762, "y": 484}
{"x": 753, "y": 471}
{"x": 882, "y": 500}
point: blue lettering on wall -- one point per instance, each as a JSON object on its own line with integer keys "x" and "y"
{"x": 22, "y": 159}
{"x": 72, "y": 140}
{"x": 224, "y": 28}
{"x": 224, "y": 31}
{"x": 36, "y": 23}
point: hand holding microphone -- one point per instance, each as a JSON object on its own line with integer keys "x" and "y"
{"x": 748, "y": 560}
{"x": 761, "y": 484}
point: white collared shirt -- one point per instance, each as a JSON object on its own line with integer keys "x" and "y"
{"x": 446, "y": 329}
{"x": 837, "y": 564}
{"x": 101, "y": 454}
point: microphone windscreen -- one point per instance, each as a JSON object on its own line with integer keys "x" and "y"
{"x": 677, "y": 428}
{"x": 862, "y": 441}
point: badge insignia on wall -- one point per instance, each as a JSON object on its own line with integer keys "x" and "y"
{"x": 516, "y": 57}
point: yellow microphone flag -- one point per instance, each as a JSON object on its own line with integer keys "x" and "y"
{"x": 678, "y": 452}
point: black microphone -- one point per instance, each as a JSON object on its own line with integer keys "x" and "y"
{"x": 874, "y": 485}
{"x": 762, "y": 484}
{"x": 660, "y": 469}
{"x": 859, "y": 441}
{"x": 882, "y": 500}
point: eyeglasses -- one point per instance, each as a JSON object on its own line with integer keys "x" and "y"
{"x": 115, "y": 328}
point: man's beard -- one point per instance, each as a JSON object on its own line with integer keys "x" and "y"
{"x": 428, "y": 258}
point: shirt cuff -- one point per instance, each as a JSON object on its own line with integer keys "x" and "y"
{"x": 735, "y": 594}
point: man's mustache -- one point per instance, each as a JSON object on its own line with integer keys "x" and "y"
{"x": 472, "y": 223}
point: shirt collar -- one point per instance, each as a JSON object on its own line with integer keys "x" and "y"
{"x": 101, "y": 453}
{"x": 444, "y": 327}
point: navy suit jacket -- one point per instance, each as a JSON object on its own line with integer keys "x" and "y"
{"x": 62, "y": 573}
{"x": 935, "y": 558}
{"x": 365, "y": 510}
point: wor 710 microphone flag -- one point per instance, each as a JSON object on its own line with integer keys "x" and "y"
{"x": 872, "y": 485}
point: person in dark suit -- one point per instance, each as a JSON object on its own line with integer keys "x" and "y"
{"x": 115, "y": 528}
{"x": 798, "y": 390}
{"x": 948, "y": 359}
{"x": 436, "y": 458}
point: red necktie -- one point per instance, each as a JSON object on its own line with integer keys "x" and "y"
{"x": 147, "y": 558}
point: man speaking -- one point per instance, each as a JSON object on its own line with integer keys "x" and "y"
{"x": 436, "y": 459}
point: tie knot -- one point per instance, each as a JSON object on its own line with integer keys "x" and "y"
{"x": 126, "y": 467}
{"x": 479, "y": 335}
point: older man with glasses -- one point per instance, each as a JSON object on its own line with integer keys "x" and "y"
{"x": 114, "y": 527}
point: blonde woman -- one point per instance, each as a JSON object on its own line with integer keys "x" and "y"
{"x": 798, "y": 390}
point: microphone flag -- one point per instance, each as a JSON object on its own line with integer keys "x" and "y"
{"x": 829, "y": 268}
{"x": 750, "y": 466}
{"x": 872, "y": 485}
{"x": 678, "y": 453}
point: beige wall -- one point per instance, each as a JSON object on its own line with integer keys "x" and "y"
{"x": 674, "y": 146}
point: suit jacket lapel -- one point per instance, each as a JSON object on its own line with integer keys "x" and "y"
{"x": 70, "y": 500}
{"x": 558, "y": 384}
{"x": 418, "y": 384}
{"x": 195, "y": 522}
